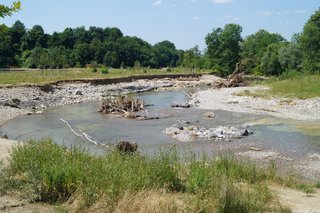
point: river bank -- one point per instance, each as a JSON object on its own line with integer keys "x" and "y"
{"x": 229, "y": 99}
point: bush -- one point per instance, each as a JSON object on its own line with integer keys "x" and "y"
{"x": 94, "y": 70}
{"x": 104, "y": 71}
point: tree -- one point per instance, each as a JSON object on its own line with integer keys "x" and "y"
{"x": 223, "y": 48}
{"x": 309, "y": 41}
{"x": 192, "y": 58}
{"x": 270, "y": 63}
{"x": 36, "y": 35}
{"x": 165, "y": 54}
{"x": 6, "y": 50}
{"x": 254, "y": 46}
{"x": 83, "y": 54}
{"x": 290, "y": 56}
{"x": 8, "y": 10}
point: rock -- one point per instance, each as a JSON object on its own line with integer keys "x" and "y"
{"x": 180, "y": 105}
{"x": 246, "y": 133}
{"x": 29, "y": 113}
{"x": 185, "y": 136}
{"x": 14, "y": 103}
{"x": 127, "y": 147}
{"x": 39, "y": 112}
{"x": 209, "y": 115}
{"x": 79, "y": 92}
{"x": 173, "y": 130}
{"x": 4, "y": 136}
{"x": 47, "y": 88}
{"x": 190, "y": 133}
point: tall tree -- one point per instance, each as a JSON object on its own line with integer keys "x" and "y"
{"x": 36, "y": 35}
{"x": 309, "y": 41}
{"x": 166, "y": 54}
{"x": 223, "y": 48}
{"x": 254, "y": 46}
{"x": 6, "y": 49}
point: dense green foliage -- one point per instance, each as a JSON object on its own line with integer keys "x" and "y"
{"x": 79, "y": 47}
{"x": 310, "y": 45}
{"x": 224, "y": 48}
{"x": 51, "y": 173}
{"x": 262, "y": 53}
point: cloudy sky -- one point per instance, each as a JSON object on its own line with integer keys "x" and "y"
{"x": 184, "y": 22}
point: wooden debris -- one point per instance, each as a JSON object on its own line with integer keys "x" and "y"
{"x": 236, "y": 79}
{"x": 255, "y": 149}
{"x": 121, "y": 105}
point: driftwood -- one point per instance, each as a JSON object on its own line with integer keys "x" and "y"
{"x": 121, "y": 104}
{"x": 85, "y": 135}
{"x": 141, "y": 117}
{"x": 236, "y": 79}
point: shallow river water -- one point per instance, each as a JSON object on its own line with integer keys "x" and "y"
{"x": 280, "y": 135}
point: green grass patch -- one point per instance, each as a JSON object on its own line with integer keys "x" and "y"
{"x": 289, "y": 86}
{"x": 300, "y": 86}
{"x": 44, "y": 171}
{"x": 48, "y": 76}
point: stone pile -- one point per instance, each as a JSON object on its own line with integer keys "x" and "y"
{"x": 191, "y": 133}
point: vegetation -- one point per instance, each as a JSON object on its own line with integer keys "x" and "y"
{"x": 47, "y": 76}
{"x": 8, "y": 10}
{"x": 262, "y": 53}
{"x": 295, "y": 85}
{"x": 289, "y": 85}
{"x": 46, "y": 172}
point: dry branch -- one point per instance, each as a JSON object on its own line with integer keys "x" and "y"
{"x": 85, "y": 135}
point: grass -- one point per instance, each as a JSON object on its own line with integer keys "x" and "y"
{"x": 165, "y": 182}
{"x": 299, "y": 86}
{"x": 289, "y": 86}
{"x": 48, "y": 76}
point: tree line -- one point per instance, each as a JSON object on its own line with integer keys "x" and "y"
{"x": 262, "y": 53}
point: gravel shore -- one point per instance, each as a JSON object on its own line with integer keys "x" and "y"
{"x": 35, "y": 99}
{"x": 226, "y": 99}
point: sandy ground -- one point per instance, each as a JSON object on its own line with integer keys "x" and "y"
{"x": 5, "y": 147}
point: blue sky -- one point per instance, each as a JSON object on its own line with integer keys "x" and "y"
{"x": 184, "y": 22}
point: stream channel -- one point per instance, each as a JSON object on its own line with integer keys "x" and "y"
{"x": 279, "y": 135}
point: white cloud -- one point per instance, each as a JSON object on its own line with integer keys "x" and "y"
{"x": 195, "y": 18}
{"x": 297, "y": 11}
{"x": 266, "y": 13}
{"x": 157, "y": 3}
{"x": 221, "y": 1}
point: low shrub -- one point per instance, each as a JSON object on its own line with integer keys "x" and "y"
{"x": 104, "y": 71}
